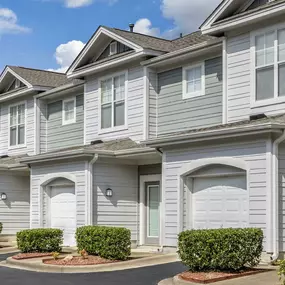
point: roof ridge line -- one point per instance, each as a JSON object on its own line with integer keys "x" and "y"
{"x": 37, "y": 69}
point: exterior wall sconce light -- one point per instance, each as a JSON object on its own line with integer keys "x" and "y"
{"x": 3, "y": 196}
{"x": 109, "y": 192}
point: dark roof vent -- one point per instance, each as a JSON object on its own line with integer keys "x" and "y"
{"x": 131, "y": 27}
{"x": 257, "y": 117}
{"x": 96, "y": 142}
{"x": 181, "y": 35}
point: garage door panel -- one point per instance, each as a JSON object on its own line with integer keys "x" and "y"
{"x": 220, "y": 202}
{"x": 63, "y": 212}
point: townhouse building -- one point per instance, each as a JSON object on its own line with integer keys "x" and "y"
{"x": 151, "y": 134}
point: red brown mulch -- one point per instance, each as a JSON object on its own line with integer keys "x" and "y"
{"x": 211, "y": 277}
{"x": 22, "y": 256}
{"x": 78, "y": 260}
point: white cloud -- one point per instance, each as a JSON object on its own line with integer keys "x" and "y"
{"x": 187, "y": 15}
{"x": 8, "y": 23}
{"x": 66, "y": 53}
{"x": 144, "y": 26}
{"x": 82, "y": 3}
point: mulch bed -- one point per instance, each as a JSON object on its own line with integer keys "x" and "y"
{"x": 79, "y": 261}
{"x": 22, "y": 256}
{"x": 211, "y": 277}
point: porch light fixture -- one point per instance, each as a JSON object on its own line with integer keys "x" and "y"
{"x": 109, "y": 192}
{"x": 3, "y": 197}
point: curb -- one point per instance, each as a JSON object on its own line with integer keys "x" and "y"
{"x": 137, "y": 263}
{"x": 7, "y": 250}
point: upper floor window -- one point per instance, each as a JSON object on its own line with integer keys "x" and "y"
{"x": 17, "y": 124}
{"x": 269, "y": 74}
{"x": 69, "y": 111}
{"x": 113, "y": 97}
{"x": 194, "y": 81}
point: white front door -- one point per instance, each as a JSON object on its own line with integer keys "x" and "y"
{"x": 63, "y": 212}
{"x": 220, "y": 202}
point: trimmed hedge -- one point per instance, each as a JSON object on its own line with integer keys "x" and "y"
{"x": 220, "y": 249}
{"x": 107, "y": 242}
{"x": 1, "y": 227}
{"x": 40, "y": 240}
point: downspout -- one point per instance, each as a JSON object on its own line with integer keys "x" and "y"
{"x": 275, "y": 195}
{"x": 90, "y": 182}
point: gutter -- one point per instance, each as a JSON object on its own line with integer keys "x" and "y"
{"x": 211, "y": 134}
{"x": 81, "y": 153}
{"x": 275, "y": 195}
{"x": 59, "y": 89}
{"x": 209, "y": 44}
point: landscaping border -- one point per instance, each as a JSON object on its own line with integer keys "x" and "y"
{"x": 38, "y": 266}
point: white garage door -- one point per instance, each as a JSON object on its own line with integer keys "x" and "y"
{"x": 220, "y": 202}
{"x": 63, "y": 212}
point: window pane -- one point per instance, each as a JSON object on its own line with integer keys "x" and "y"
{"x": 13, "y": 136}
{"x": 106, "y": 116}
{"x": 198, "y": 85}
{"x": 106, "y": 87}
{"x": 21, "y": 114}
{"x": 68, "y": 110}
{"x": 21, "y": 134}
{"x": 198, "y": 72}
{"x": 281, "y": 80}
{"x": 190, "y": 75}
{"x": 190, "y": 87}
{"x": 259, "y": 42}
{"x": 269, "y": 45}
{"x": 119, "y": 87}
{"x": 13, "y": 116}
{"x": 281, "y": 45}
{"x": 119, "y": 115}
{"x": 264, "y": 83}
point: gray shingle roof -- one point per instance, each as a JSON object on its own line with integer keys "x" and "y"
{"x": 11, "y": 160}
{"x": 160, "y": 44}
{"x": 37, "y": 77}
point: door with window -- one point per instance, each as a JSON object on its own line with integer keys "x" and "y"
{"x": 152, "y": 213}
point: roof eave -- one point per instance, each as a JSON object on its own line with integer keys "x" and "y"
{"x": 215, "y": 134}
{"x": 243, "y": 20}
{"x": 112, "y": 63}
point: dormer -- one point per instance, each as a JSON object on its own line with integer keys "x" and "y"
{"x": 234, "y": 14}
{"x": 18, "y": 81}
{"x": 110, "y": 48}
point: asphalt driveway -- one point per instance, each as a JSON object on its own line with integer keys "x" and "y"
{"x": 140, "y": 276}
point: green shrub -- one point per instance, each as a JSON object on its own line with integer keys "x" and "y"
{"x": 40, "y": 240}
{"x": 1, "y": 227}
{"x": 281, "y": 271}
{"x": 221, "y": 249}
{"x": 107, "y": 242}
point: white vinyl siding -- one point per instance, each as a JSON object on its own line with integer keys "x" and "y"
{"x": 69, "y": 111}
{"x": 134, "y": 127}
{"x": 17, "y": 125}
{"x": 113, "y": 95}
{"x": 194, "y": 80}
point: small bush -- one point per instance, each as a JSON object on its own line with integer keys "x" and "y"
{"x": 281, "y": 271}
{"x": 107, "y": 242}
{"x": 1, "y": 227}
{"x": 40, "y": 240}
{"x": 221, "y": 249}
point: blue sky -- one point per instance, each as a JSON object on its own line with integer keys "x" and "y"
{"x": 32, "y": 30}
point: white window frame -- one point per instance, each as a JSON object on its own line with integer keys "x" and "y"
{"x": 276, "y": 99}
{"x": 73, "y": 120}
{"x": 9, "y": 126}
{"x": 188, "y": 95}
{"x": 112, "y": 128}
{"x": 115, "y": 46}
